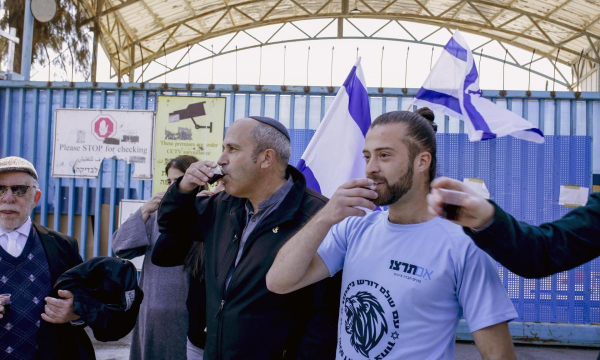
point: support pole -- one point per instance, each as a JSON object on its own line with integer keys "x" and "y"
{"x": 131, "y": 62}
{"x": 99, "y": 4}
{"x": 11, "y": 50}
{"x": 345, "y": 11}
{"x": 27, "y": 41}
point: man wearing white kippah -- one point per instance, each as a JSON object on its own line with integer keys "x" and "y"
{"x": 38, "y": 324}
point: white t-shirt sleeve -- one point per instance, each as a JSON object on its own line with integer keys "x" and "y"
{"x": 333, "y": 248}
{"x": 482, "y": 297}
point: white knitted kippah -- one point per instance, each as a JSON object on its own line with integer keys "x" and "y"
{"x": 15, "y": 163}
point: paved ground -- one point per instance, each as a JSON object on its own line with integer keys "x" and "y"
{"x": 119, "y": 350}
{"x": 468, "y": 351}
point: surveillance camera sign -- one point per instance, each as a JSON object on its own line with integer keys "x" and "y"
{"x": 187, "y": 125}
{"x": 85, "y": 137}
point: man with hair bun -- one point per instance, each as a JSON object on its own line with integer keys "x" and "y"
{"x": 408, "y": 276}
{"x": 265, "y": 202}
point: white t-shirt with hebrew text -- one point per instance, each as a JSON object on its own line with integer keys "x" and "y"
{"x": 405, "y": 287}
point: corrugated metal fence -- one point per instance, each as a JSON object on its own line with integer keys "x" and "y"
{"x": 523, "y": 178}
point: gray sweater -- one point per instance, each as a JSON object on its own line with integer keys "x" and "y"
{"x": 161, "y": 329}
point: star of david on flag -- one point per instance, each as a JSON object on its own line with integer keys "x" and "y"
{"x": 452, "y": 88}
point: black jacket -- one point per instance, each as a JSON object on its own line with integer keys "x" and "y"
{"x": 61, "y": 341}
{"x": 248, "y": 321}
{"x": 539, "y": 251}
{"x": 106, "y": 295}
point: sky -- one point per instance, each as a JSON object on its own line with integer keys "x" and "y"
{"x": 319, "y": 69}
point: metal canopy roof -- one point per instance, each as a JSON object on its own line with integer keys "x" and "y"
{"x": 132, "y": 29}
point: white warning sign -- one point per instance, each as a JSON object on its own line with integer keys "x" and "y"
{"x": 85, "y": 137}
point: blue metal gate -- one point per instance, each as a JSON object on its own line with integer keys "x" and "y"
{"x": 522, "y": 177}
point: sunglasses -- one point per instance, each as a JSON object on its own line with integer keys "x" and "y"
{"x": 17, "y": 190}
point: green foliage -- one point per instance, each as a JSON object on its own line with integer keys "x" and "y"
{"x": 61, "y": 36}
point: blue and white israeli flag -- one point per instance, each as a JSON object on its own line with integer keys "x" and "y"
{"x": 452, "y": 88}
{"x": 334, "y": 155}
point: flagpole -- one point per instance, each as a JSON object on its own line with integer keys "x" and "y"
{"x": 405, "y": 90}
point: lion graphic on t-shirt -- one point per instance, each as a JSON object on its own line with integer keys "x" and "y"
{"x": 365, "y": 321}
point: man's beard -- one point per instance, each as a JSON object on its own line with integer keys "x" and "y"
{"x": 16, "y": 221}
{"x": 394, "y": 192}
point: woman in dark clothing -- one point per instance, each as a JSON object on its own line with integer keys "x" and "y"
{"x": 166, "y": 289}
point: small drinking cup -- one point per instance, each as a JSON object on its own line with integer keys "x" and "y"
{"x": 452, "y": 203}
{"x": 5, "y": 302}
{"x": 218, "y": 174}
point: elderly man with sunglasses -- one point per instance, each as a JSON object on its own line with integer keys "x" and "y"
{"x": 39, "y": 324}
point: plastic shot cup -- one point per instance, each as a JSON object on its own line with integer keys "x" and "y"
{"x": 370, "y": 187}
{"x": 5, "y": 301}
{"x": 452, "y": 203}
{"x": 218, "y": 174}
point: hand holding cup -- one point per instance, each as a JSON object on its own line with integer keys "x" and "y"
{"x": 350, "y": 199}
{"x": 198, "y": 174}
{"x": 4, "y": 304}
{"x": 455, "y": 201}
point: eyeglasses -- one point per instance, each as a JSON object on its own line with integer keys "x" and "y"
{"x": 17, "y": 190}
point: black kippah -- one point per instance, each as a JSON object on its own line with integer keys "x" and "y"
{"x": 274, "y": 123}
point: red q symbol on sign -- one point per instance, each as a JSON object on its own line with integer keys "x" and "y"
{"x": 104, "y": 126}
